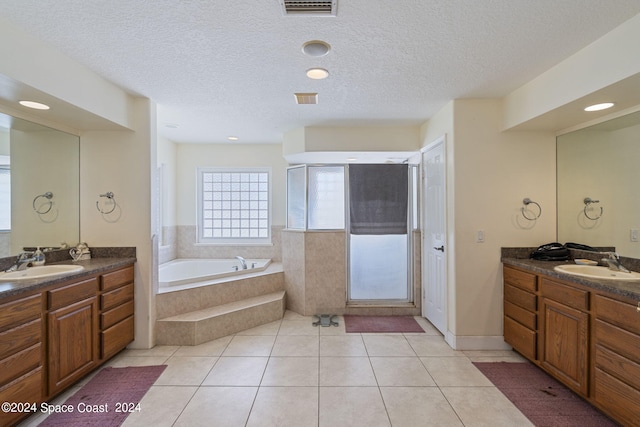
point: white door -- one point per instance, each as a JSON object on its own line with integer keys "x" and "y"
{"x": 434, "y": 264}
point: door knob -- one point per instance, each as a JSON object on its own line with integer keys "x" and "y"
{"x": 441, "y": 248}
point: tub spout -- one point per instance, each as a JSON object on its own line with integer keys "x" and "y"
{"x": 243, "y": 262}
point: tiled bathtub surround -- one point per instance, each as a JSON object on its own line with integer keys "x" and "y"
{"x": 185, "y": 247}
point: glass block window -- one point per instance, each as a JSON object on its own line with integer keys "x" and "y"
{"x": 234, "y": 205}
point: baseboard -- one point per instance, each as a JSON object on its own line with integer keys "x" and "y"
{"x": 461, "y": 342}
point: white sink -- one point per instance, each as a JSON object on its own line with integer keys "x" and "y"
{"x": 40, "y": 272}
{"x": 597, "y": 272}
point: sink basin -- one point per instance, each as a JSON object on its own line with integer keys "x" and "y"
{"x": 597, "y": 272}
{"x": 40, "y": 272}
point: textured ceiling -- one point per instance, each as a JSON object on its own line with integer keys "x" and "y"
{"x": 220, "y": 68}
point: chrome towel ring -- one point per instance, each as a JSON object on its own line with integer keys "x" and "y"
{"x": 40, "y": 210}
{"x": 589, "y": 201}
{"x": 109, "y": 195}
{"x": 527, "y": 201}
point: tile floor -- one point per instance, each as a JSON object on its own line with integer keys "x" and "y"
{"x": 289, "y": 373}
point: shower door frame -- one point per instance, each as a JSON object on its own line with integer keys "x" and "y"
{"x": 410, "y": 223}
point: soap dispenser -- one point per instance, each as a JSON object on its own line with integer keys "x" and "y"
{"x": 38, "y": 257}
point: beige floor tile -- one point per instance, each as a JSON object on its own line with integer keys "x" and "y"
{"x": 186, "y": 370}
{"x": 333, "y": 330}
{"x": 284, "y": 407}
{"x": 267, "y": 329}
{"x": 484, "y": 407}
{"x": 346, "y": 371}
{"x": 352, "y": 407}
{"x": 159, "y": 350}
{"x": 218, "y": 406}
{"x": 454, "y": 371}
{"x": 161, "y": 406}
{"x": 250, "y": 346}
{"x": 211, "y": 348}
{"x": 387, "y": 345}
{"x": 298, "y": 327}
{"x": 124, "y": 361}
{"x": 401, "y": 371}
{"x": 419, "y": 407}
{"x": 296, "y": 345}
{"x": 432, "y": 345}
{"x": 494, "y": 356}
{"x": 429, "y": 329}
{"x": 342, "y": 345}
{"x": 237, "y": 371}
{"x": 291, "y": 371}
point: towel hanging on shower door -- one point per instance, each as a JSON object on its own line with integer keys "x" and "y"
{"x": 378, "y": 195}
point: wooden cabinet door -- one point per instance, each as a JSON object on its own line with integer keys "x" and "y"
{"x": 565, "y": 344}
{"x": 72, "y": 340}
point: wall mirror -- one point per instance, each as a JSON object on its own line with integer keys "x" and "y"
{"x": 39, "y": 186}
{"x": 602, "y": 163}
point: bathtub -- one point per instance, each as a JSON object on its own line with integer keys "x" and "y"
{"x": 182, "y": 273}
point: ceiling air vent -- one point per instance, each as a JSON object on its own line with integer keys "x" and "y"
{"x": 309, "y": 8}
{"x": 306, "y": 98}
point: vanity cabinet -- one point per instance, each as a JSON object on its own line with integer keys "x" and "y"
{"x": 520, "y": 311}
{"x": 587, "y": 338}
{"x": 116, "y": 311}
{"x": 21, "y": 354}
{"x": 564, "y": 337}
{"x": 617, "y": 357}
{"x": 53, "y": 336}
{"x": 72, "y": 333}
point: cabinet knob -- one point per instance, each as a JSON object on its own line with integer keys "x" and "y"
{"x": 638, "y": 308}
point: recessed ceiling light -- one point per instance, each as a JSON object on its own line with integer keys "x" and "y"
{"x": 317, "y": 73}
{"x": 598, "y": 107}
{"x": 35, "y": 105}
{"x": 316, "y": 48}
{"x": 233, "y": 138}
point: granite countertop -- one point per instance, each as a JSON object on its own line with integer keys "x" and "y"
{"x": 91, "y": 266}
{"x": 623, "y": 288}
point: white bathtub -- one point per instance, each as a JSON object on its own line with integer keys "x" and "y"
{"x": 184, "y": 272}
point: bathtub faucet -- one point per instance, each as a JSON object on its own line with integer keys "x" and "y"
{"x": 243, "y": 262}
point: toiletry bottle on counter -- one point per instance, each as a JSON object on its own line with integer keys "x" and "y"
{"x": 38, "y": 257}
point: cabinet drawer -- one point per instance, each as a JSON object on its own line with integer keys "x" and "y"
{"x": 520, "y": 279}
{"x": 116, "y": 297}
{"x": 74, "y": 292}
{"x": 520, "y": 298}
{"x": 520, "y": 338}
{"x": 618, "y": 340}
{"x": 111, "y": 317}
{"x": 620, "y": 400}
{"x": 27, "y": 388}
{"x": 116, "y": 279}
{"x": 117, "y": 337}
{"x": 567, "y": 295}
{"x": 20, "y": 337}
{"x": 620, "y": 367}
{"x": 526, "y": 317}
{"x": 617, "y": 312}
{"x": 16, "y": 312}
{"x": 20, "y": 363}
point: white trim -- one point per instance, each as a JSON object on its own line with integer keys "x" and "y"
{"x": 478, "y": 342}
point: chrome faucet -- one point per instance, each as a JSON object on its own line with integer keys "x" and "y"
{"x": 613, "y": 261}
{"x": 24, "y": 259}
{"x": 243, "y": 262}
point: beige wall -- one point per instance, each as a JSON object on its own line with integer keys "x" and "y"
{"x": 192, "y": 156}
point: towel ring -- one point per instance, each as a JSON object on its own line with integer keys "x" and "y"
{"x": 589, "y": 201}
{"x": 109, "y": 195}
{"x": 527, "y": 201}
{"x": 40, "y": 210}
